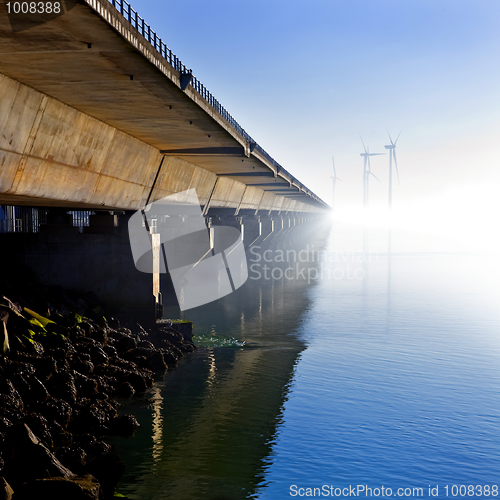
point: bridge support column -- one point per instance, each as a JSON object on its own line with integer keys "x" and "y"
{"x": 252, "y": 229}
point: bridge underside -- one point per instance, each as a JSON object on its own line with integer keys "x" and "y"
{"x": 91, "y": 116}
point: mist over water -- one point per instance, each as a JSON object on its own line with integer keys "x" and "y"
{"x": 390, "y": 377}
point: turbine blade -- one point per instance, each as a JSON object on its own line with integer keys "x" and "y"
{"x": 376, "y": 154}
{"x": 398, "y": 137}
{"x": 396, "y": 164}
{"x": 374, "y": 176}
{"x": 390, "y": 138}
{"x": 333, "y": 161}
{"x": 364, "y": 147}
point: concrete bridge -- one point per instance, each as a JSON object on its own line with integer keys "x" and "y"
{"x": 97, "y": 114}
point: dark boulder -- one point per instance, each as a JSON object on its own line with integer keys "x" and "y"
{"x": 87, "y": 387}
{"x": 38, "y": 391}
{"x": 60, "y": 436}
{"x": 40, "y": 427}
{"x": 124, "y": 390}
{"x": 62, "y": 385}
{"x": 136, "y": 380}
{"x": 72, "y": 457}
{"x": 125, "y": 425}
{"x": 44, "y": 367}
{"x": 27, "y": 458}
{"x": 55, "y": 409}
{"x": 107, "y": 469}
{"x": 125, "y": 344}
{"x": 60, "y": 488}
{"x": 11, "y": 403}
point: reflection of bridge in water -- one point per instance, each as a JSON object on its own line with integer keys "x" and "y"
{"x": 211, "y": 425}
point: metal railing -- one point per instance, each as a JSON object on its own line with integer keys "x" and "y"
{"x": 81, "y": 218}
{"x": 15, "y": 219}
{"x": 137, "y": 22}
{"x": 21, "y": 219}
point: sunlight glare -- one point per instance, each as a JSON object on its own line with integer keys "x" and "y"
{"x": 466, "y": 215}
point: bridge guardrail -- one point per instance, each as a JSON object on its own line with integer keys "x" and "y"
{"x": 137, "y": 22}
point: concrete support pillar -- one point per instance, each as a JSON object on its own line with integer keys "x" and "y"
{"x": 252, "y": 229}
{"x": 156, "y": 250}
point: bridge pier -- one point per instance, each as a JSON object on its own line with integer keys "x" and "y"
{"x": 98, "y": 257}
{"x": 252, "y": 229}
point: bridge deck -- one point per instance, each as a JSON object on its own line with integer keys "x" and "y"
{"x": 93, "y": 60}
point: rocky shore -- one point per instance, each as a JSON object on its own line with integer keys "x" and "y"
{"x": 65, "y": 363}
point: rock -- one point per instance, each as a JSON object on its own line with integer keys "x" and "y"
{"x": 27, "y": 458}
{"x": 108, "y": 470}
{"x": 98, "y": 356}
{"x": 11, "y": 404}
{"x": 5, "y": 423}
{"x": 156, "y": 362}
{"x": 60, "y": 436}
{"x": 145, "y": 344}
{"x": 125, "y": 425}
{"x": 86, "y": 326}
{"x": 110, "y": 351}
{"x": 55, "y": 409}
{"x": 125, "y": 390}
{"x": 86, "y": 387}
{"x": 93, "y": 447}
{"x": 100, "y": 335}
{"x": 93, "y": 417}
{"x": 54, "y": 342}
{"x": 72, "y": 457}
{"x": 6, "y": 491}
{"x": 83, "y": 366}
{"x": 62, "y": 385}
{"x": 40, "y": 427}
{"x": 45, "y": 366}
{"x": 38, "y": 391}
{"x": 113, "y": 323}
{"x": 137, "y": 381}
{"x": 125, "y": 344}
{"x": 59, "y": 488}
{"x": 169, "y": 357}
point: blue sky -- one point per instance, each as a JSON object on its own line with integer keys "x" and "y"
{"x": 304, "y": 78}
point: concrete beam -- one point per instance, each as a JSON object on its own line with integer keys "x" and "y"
{"x": 54, "y": 155}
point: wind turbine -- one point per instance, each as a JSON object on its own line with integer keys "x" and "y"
{"x": 392, "y": 153}
{"x": 367, "y": 171}
{"x": 334, "y": 182}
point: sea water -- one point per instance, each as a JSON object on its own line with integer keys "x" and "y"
{"x": 377, "y": 374}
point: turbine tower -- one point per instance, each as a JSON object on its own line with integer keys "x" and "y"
{"x": 334, "y": 182}
{"x": 367, "y": 171}
{"x": 392, "y": 154}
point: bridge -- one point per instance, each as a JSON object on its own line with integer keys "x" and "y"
{"x": 98, "y": 114}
